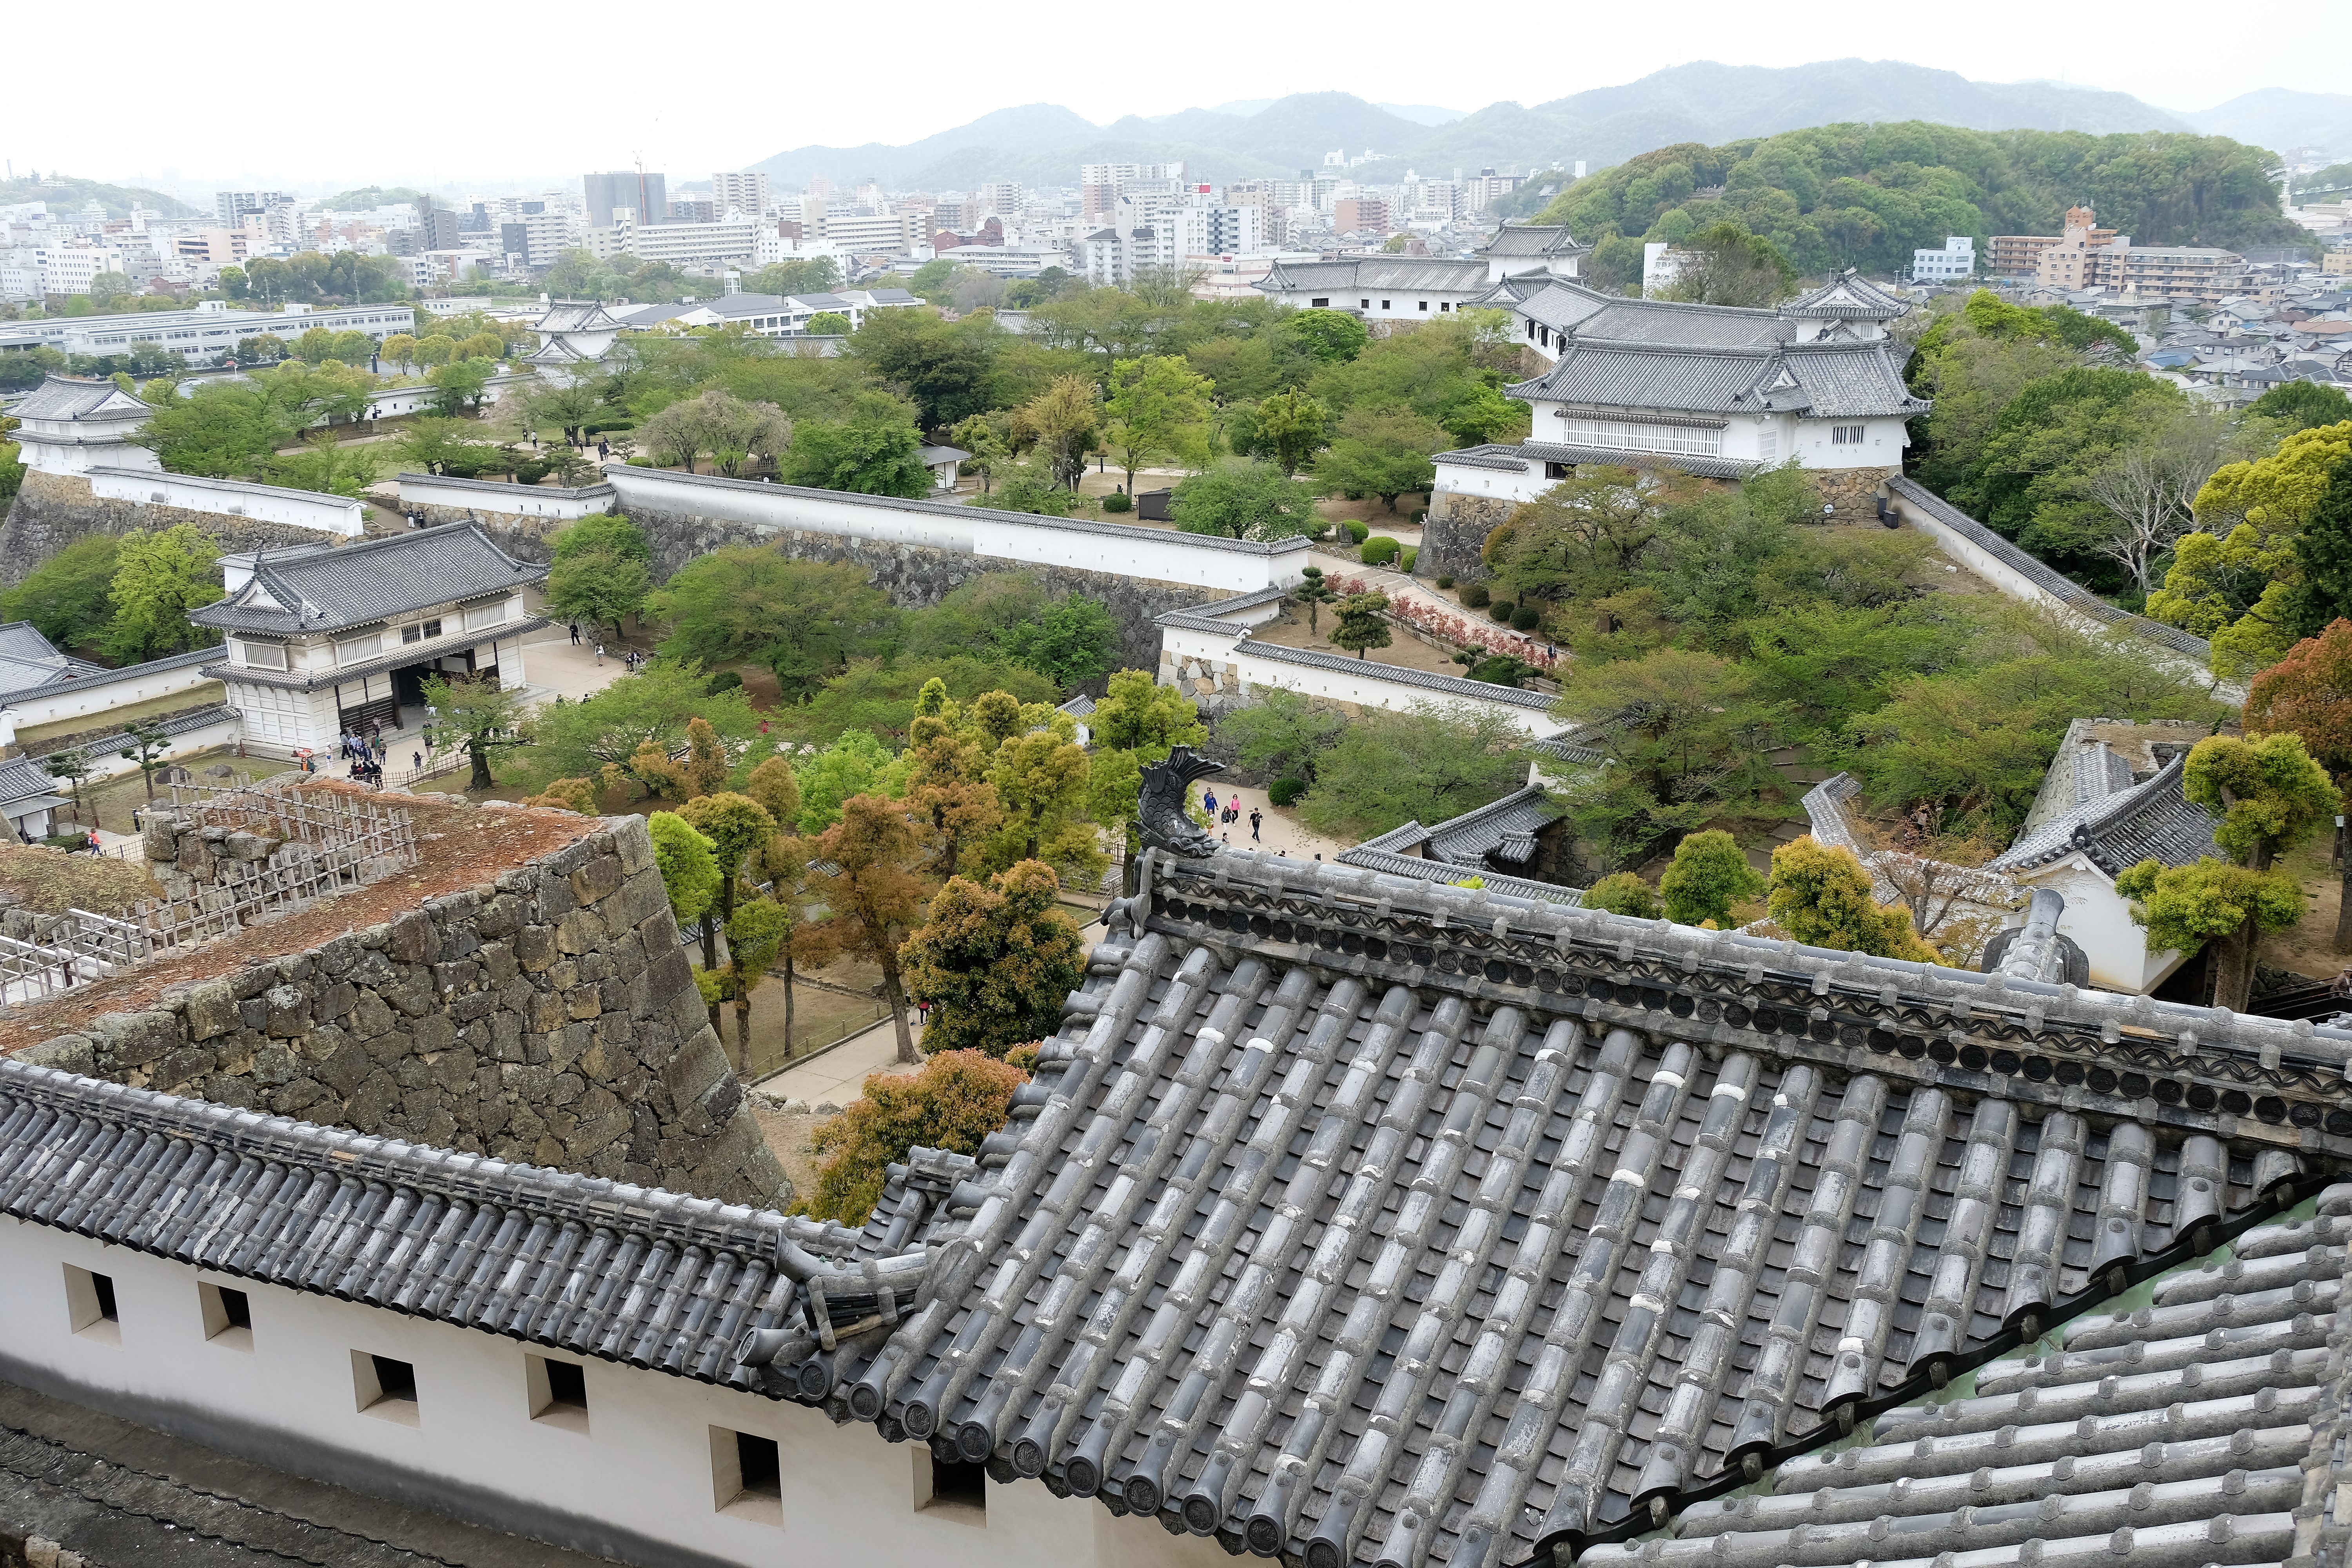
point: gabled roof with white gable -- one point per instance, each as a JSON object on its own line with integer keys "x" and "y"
{"x": 69, "y": 397}
{"x": 325, "y": 588}
{"x": 1848, "y": 297}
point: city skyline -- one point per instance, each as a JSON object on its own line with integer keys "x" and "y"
{"x": 443, "y": 136}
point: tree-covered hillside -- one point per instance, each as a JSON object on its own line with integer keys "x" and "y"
{"x": 64, "y": 194}
{"x": 1867, "y": 196}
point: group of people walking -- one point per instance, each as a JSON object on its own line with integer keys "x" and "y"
{"x": 1230, "y": 812}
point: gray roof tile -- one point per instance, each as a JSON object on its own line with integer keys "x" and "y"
{"x": 321, "y": 587}
{"x": 2174, "y": 1435}
{"x": 2117, "y": 829}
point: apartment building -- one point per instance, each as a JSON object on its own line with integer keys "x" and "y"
{"x": 645, "y": 196}
{"x": 1101, "y": 184}
{"x": 680, "y": 244}
{"x": 748, "y": 193}
{"x": 1362, "y": 215}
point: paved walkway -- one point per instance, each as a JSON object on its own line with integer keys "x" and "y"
{"x": 839, "y": 1076}
{"x": 1281, "y": 832}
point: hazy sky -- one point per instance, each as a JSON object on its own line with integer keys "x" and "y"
{"x": 320, "y": 97}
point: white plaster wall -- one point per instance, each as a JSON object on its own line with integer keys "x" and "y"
{"x": 1367, "y": 689}
{"x": 95, "y": 695}
{"x": 642, "y": 1466}
{"x": 1460, "y": 479}
{"x": 265, "y": 503}
{"x": 1882, "y": 447}
{"x": 2099, "y": 920}
{"x": 511, "y": 499}
{"x": 1154, "y": 554}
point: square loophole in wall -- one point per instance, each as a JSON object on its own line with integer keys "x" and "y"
{"x": 90, "y": 1310}
{"x": 747, "y": 1476}
{"x": 558, "y": 1392}
{"x": 228, "y": 1316}
{"x": 385, "y": 1387}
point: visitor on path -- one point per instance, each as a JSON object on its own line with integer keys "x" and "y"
{"x": 600, "y": 655}
{"x": 1257, "y": 820}
{"x": 1208, "y": 801}
{"x": 575, "y": 634}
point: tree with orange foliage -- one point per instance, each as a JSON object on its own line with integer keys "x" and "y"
{"x": 864, "y": 871}
{"x": 2310, "y": 693}
{"x": 959, "y": 1099}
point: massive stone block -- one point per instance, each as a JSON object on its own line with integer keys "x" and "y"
{"x": 1454, "y": 534}
{"x": 469, "y": 1022}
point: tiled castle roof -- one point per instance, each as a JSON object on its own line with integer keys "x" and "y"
{"x": 2201, "y": 1428}
{"x": 1348, "y": 1217}
{"x": 1353, "y": 1219}
{"x": 2151, "y": 821}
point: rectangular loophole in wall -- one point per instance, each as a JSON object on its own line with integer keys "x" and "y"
{"x": 747, "y": 1476}
{"x": 558, "y": 1392}
{"x": 385, "y": 1387}
{"x": 950, "y": 1489}
{"x": 90, "y": 1306}
{"x": 228, "y": 1316}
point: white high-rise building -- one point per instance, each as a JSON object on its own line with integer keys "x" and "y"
{"x": 748, "y": 193}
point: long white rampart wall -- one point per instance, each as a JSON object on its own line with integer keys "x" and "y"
{"x": 85, "y": 701}
{"x": 637, "y": 1479}
{"x": 516, "y": 500}
{"x": 1159, "y": 555}
{"x": 1204, "y": 662}
{"x": 338, "y": 515}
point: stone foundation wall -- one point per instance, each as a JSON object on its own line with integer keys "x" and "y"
{"x": 524, "y": 538}
{"x": 550, "y": 1017}
{"x": 1853, "y": 491}
{"x": 1456, "y": 528}
{"x": 916, "y": 576}
{"x": 52, "y": 511}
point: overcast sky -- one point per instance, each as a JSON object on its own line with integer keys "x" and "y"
{"x": 321, "y": 97}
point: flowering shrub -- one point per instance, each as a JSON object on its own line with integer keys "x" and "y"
{"x": 1459, "y": 630}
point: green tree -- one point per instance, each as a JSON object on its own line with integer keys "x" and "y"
{"x": 816, "y": 275}
{"x": 874, "y": 451}
{"x": 479, "y": 717}
{"x": 1072, "y": 644}
{"x": 1723, "y": 264}
{"x": 1686, "y": 739}
{"x": 400, "y": 348}
{"x": 2309, "y": 694}
{"x": 1482, "y": 415}
{"x": 881, "y": 696}
{"x": 1294, "y": 425}
{"x": 2323, "y": 558}
{"x": 1137, "y": 714}
{"x": 1382, "y": 452}
{"x": 149, "y": 743}
{"x": 1314, "y": 592}
{"x": 1624, "y": 893}
{"x": 865, "y": 874}
{"x": 854, "y": 764}
{"x": 327, "y": 467}
{"x": 688, "y": 874}
{"x": 1029, "y": 487}
{"x": 1243, "y": 498}
{"x": 1281, "y": 734}
{"x": 158, "y": 578}
{"x": 1710, "y": 874}
{"x": 958, "y": 1098}
{"x": 2186, "y": 906}
{"x": 1060, "y": 423}
{"x": 1039, "y": 777}
{"x": 1428, "y": 763}
{"x": 459, "y": 385}
{"x": 944, "y": 367}
{"x": 1334, "y": 337}
{"x": 1157, "y": 409}
{"x": 2303, "y": 405}
{"x": 604, "y": 733}
{"x": 736, "y": 828}
{"x": 735, "y": 433}
{"x": 828, "y": 324}
{"x": 995, "y": 961}
{"x": 1360, "y": 626}
{"x": 801, "y": 619}
{"x": 1822, "y": 895}
{"x": 67, "y": 597}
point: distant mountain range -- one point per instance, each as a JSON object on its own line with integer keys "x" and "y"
{"x": 1044, "y": 143}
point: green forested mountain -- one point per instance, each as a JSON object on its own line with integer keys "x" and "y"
{"x": 65, "y": 193}
{"x": 1867, "y": 196}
